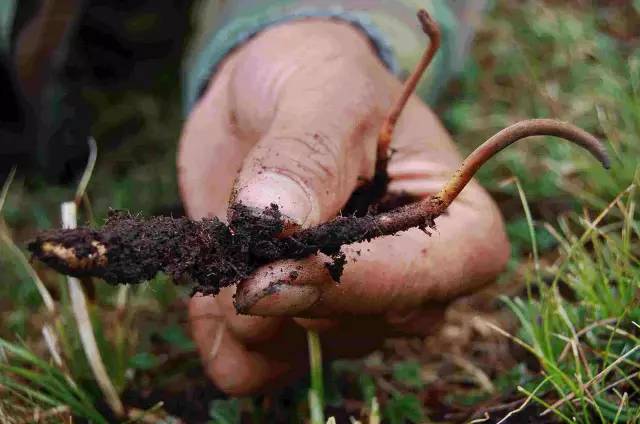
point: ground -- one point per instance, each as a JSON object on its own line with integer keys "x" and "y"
{"x": 558, "y": 330}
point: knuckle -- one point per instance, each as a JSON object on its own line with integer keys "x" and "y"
{"x": 313, "y": 156}
{"x": 229, "y": 384}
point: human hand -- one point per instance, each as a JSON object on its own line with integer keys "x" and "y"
{"x": 292, "y": 118}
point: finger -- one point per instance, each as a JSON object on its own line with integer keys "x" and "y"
{"x": 250, "y": 330}
{"x": 401, "y": 272}
{"x": 210, "y": 152}
{"x": 308, "y": 164}
{"x": 210, "y": 155}
{"x": 231, "y": 366}
{"x": 321, "y": 137}
{"x": 424, "y": 321}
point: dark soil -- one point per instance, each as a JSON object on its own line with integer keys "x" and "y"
{"x": 207, "y": 253}
{"x": 371, "y": 193}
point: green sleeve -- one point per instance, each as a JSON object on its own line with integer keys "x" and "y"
{"x": 391, "y": 25}
{"x": 7, "y": 11}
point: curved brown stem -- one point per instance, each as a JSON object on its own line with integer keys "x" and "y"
{"x": 431, "y": 28}
{"x": 213, "y": 255}
{"x": 342, "y": 230}
{"x": 374, "y": 190}
{"x": 510, "y": 135}
{"x": 433, "y": 206}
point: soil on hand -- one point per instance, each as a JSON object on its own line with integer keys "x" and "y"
{"x": 207, "y": 253}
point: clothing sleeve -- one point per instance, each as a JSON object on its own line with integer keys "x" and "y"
{"x": 7, "y": 12}
{"x": 391, "y": 25}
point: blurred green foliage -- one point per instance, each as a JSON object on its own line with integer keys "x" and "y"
{"x": 577, "y": 61}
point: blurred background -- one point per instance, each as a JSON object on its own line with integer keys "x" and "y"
{"x": 559, "y": 326}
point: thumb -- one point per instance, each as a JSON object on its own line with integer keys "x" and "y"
{"x": 319, "y": 144}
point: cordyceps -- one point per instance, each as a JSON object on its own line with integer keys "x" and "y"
{"x": 211, "y": 254}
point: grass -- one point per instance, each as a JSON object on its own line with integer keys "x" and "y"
{"x": 562, "y": 340}
{"x": 556, "y": 61}
{"x": 316, "y": 391}
{"x": 36, "y": 385}
{"x": 586, "y": 345}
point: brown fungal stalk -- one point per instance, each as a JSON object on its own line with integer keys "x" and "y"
{"x": 510, "y": 135}
{"x": 431, "y": 28}
{"x": 373, "y": 191}
{"x": 211, "y": 254}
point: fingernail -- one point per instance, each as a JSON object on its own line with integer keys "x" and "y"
{"x": 269, "y": 187}
{"x": 278, "y": 299}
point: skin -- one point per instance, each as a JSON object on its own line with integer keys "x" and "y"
{"x": 292, "y": 117}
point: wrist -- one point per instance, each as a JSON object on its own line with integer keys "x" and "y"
{"x": 307, "y": 44}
